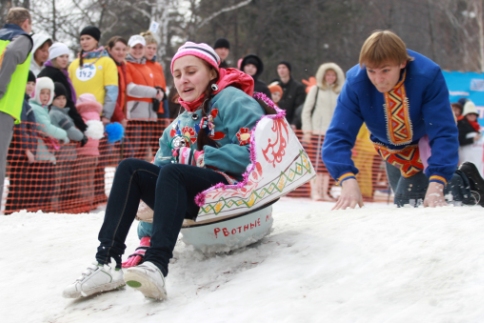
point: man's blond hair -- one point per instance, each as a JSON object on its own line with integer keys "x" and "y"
{"x": 17, "y": 16}
{"x": 383, "y": 46}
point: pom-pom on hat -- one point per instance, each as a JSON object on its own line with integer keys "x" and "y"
{"x": 92, "y": 31}
{"x": 135, "y": 40}
{"x": 114, "y": 131}
{"x": 202, "y": 51}
{"x": 221, "y": 43}
{"x": 58, "y": 49}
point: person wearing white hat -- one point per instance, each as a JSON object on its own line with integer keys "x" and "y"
{"x": 208, "y": 144}
{"x": 42, "y": 43}
{"x": 140, "y": 92}
{"x": 56, "y": 69}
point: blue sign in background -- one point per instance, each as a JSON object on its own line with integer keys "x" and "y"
{"x": 468, "y": 85}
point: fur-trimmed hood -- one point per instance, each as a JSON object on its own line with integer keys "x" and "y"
{"x": 339, "y": 73}
{"x": 256, "y": 61}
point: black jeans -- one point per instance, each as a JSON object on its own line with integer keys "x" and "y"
{"x": 170, "y": 191}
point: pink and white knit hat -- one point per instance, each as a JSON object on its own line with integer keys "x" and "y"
{"x": 202, "y": 51}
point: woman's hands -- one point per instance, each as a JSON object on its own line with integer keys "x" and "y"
{"x": 188, "y": 157}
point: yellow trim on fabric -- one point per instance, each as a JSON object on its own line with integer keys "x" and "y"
{"x": 345, "y": 176}
{"x": 438, "y": 178}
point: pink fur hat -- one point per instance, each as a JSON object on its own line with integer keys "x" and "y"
{"x": 88, "y": 101}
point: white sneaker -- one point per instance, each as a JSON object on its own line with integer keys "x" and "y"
{"x": 95, "y": 279}
{"x": 148, "y": 279}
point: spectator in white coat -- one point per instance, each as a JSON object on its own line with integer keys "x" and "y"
{"x": 316, "y": 116}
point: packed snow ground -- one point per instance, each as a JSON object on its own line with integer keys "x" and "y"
{"x": 376, "y": 264}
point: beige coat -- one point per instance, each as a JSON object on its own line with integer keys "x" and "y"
{"x": 319, "y": 122}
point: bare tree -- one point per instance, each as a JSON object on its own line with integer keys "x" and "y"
{"x": 465, "y": 18}
{"x": 167, "y": 14}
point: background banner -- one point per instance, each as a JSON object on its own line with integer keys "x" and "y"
{"x": 468, "y": 85}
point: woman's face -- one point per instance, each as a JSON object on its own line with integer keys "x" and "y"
{"x": 88, "y": 43}
{"x": 191, "y": 76}
{"x": 62, "y": 61}
{"x": 330, "y": 77}
{"x": 118, "y": 52}
{"x": 42, "y": 53}
{"x": 150, "y": 51}
{"x": 137, "y": 51}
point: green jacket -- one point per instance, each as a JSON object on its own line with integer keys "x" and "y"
{"x": 15, "y": 47}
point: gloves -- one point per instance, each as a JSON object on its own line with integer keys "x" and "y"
{"x": 83, "y": 141}
{"x": 188, "y": 156}
{"x": 139, "y": 253}
{"x": 199, "y": 156}
{"x": 185, "y": 156}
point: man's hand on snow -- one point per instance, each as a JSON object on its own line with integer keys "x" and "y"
{"x": 350, "y": 195}
{"x": 435, "y": 195}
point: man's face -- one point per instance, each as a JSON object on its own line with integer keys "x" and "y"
{"x": 386, "y": 76}
{"x": 283, "y": 71}
{"x": 223, "y": 53}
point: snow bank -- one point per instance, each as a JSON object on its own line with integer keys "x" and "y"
{"x": 376, "y": 264}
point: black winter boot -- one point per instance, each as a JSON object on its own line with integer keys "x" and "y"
{"x": 475, "y": 180}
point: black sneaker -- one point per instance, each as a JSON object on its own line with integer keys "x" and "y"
{"x": 475, "y": 180}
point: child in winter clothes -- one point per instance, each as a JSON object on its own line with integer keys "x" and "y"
{"x": 48, "y": 141}
{"x": 88, "y": 154}
{"x": 66, "y": 155}
{"x": 276, "y": 92}
{"x": 21, "y": 156}
{"x": 470, "y": 143}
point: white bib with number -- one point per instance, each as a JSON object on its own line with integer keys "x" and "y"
{"x": 87, "y": 72}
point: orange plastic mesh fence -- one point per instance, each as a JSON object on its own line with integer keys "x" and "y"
{"x": 68, "y": 178}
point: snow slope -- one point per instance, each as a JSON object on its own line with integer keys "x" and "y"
{"x": 376, "y": 264}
